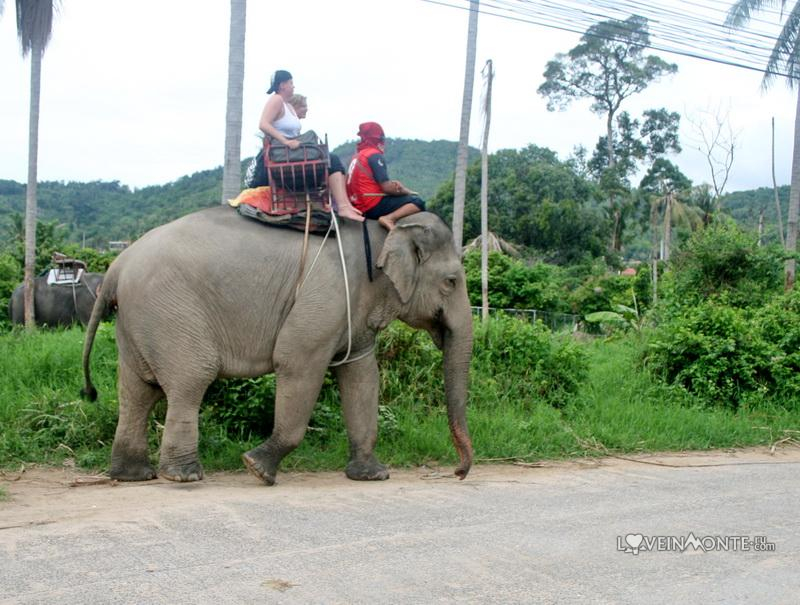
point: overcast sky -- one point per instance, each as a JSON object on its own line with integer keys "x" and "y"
{"x": 135, "y": 91}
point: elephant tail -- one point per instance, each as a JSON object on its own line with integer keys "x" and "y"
{"x": 105, "y": 303}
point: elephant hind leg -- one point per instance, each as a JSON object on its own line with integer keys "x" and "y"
{"x": 179, "y": 460}
{"x": 129, "y": 457}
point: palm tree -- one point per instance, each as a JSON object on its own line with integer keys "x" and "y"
{"x": 232, "y": 168}
{"x": 460, "y": 184}
{"x": 785, "y": 59}
{"x": 34, "y": 26}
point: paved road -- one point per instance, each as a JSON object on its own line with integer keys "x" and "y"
{"x": 505, "y": 535}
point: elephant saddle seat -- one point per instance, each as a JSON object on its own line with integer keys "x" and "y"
{"x": 66, "y": 270}
{"x": 297, "y": 195}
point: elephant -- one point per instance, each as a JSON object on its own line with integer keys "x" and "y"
{"x": 57, "y": 304}
{"x": 216, "y": 294}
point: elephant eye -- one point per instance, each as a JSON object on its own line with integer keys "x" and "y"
{"x": 449, "y": 283}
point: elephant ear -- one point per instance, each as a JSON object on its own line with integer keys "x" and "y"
{"x": 407, "y": 246}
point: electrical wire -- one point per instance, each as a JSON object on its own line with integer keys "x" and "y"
{"x": 682, "y": 27}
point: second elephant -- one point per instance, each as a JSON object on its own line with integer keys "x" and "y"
{"x": 57, "y": 304}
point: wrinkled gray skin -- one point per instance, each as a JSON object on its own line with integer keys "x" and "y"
{"x": 212, "y": 295}
{"x": 55, "y": 305}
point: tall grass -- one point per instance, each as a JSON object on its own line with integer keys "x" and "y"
{"x": 533, "y": 396}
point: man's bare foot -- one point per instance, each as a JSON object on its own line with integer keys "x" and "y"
{"x": 386, "y": 223}
{"x": 351, "y": 213}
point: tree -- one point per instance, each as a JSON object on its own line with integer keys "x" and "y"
{"x": 463, "y": 138}
{"x": 608, "y": 66}
{"x": 487, "y": 111}
{"x": 662, "y": 185}
{"x": 34, "y": 27}
{"x": 537, "y": 201}
{"x": 717, "y": 142}
{"x": 785, "y": 60}
{"x": 652, "y": 138}
{"x": 232, "y": 167}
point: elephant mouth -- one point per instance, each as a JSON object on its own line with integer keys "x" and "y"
{"x": 438, "y": 329}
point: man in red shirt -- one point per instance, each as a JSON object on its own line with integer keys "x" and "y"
{"x": 368, "y": 185}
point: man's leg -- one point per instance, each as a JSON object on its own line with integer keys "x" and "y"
{"x": 389, "y": 220}
{"x": 339, "y": 191}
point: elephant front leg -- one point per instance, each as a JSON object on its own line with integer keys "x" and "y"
{"x": 296, "y": 392}
{"x": 359, "y": 386}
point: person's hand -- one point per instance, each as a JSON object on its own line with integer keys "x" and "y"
{"x": 292, "y": 144}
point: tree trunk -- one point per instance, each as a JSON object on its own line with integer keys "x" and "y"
{"x": 794, "y": 201}
{"x": 462, "y": 155}
{"x": 654, "y": 247}
{"x": 778, "y": 208}
{"x": 612, "y": 162}
{"x": 232, "y": 167}
{"x": 30, "y": 197}
{"x": 485, "y": 196}
{"x": 667, "y": 226}
{"x": 615, "y": 244}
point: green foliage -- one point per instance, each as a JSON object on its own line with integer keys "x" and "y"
{"x": 10, "y": 277}
{"x": 528, "y": 360}
{"x": 96, "y": 261}
{"x": 534, "y": 200}
{"x": 603, "y": 293}
{"x": 712, "y": 351}
{"x": 608, "y": 47}
{"x": 746, "y": 206}
{"x": 420, "y": 165}
{"x": 725, "y": 261}
{"x": 530, "y": 398}
{"x": 514, "y": 284}
{"x": 726, "y": 332}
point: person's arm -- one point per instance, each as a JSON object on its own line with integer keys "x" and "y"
{"x": 395, "y": 188}
{"x": 272, "y": 111}
{"x": 380, "y": 173}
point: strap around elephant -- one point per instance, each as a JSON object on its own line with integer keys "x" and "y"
{"x": 367, "y": 249}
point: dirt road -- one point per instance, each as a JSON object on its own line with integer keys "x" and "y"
{"x": 719, "y": 527}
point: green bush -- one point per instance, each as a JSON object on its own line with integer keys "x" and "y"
{"x": 713, "y": 351}
{"x": 723, "y": 260}
{"x": 726, "y": 332}
{"x": 525, "y": 359}
{"x": 778, "y": 323}
{"x": 516, "y": 285}
{"x": 10, "y": 272}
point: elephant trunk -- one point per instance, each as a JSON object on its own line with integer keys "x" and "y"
{"x": 457, "y": 348}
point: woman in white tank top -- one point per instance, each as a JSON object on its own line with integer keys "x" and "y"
{"x": 279, "y": 120}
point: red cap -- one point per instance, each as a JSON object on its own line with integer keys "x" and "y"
{"x": 370, "y": 130}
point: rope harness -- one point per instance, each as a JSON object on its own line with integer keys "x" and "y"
{"x": 302, "y": 280}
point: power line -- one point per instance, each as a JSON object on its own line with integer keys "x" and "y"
{"x": 679, "y": 30}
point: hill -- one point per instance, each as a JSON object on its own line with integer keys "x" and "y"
{"x": 745, "y": 207}
{"x": 100, "y": 211}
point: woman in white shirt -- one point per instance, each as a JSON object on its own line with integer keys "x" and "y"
{"x": 279, "y": 120}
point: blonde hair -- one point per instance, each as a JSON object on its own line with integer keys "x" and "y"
{"x": 298, "y": 101}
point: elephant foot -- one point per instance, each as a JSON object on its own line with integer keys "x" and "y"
{"x": 366, "y": 470}
{"x": 132, "y": 472}
{"x": 182, "y": 473}
{"x": 257, "y": 463}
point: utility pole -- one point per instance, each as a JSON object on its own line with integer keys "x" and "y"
{"x": 775, "y": 189}
{"x": 488, "y": 73}
{"x": 462, "y": 154}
